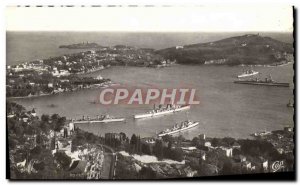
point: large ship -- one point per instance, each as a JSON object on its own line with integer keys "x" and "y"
{"x": 162, "y": 111}
{"x": 185, "y": 125}
{"x": 99, "y": 119}
{"x": 247, "y": 73}
{"x": 267, "y": 82}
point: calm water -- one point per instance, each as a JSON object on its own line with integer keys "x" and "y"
{"x": 226, "y": 109}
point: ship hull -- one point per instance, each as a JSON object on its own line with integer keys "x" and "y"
{"x": 180, "y": 130}
{"x": 148, "y": 115}
{"x": 263, "y": 83}
{"x": 101, "y": 121}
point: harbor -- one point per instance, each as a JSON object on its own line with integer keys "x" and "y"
{"x": 110, "y": 92}
{"x": 225, "y": 108}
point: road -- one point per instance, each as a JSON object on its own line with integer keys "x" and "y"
{"x": 109, "y": 162}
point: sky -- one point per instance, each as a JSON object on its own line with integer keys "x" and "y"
{"x": 152, "y": 19}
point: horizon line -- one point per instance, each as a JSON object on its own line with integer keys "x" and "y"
{"x": 130, "y": 31}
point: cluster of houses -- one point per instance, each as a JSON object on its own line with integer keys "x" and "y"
{"x": 26, "y": 117}
{"x": 25, "y": 79}
{"x": 241, "y": 163}
{"x": 216, "y": 61}
{"x": 282, "y": 141}
{"x": 29, "y": 83}
{"x": 27, "y": 66}
{"x": 88, "y": 164}
{"x": 92, "y": 60}
{"x": 162, "y": 169}
{"x": 86, "y": 161}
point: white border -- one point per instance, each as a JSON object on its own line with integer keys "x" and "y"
{"x": 5, "y": 3}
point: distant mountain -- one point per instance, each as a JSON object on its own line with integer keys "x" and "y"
{"x": 247, "y": 49}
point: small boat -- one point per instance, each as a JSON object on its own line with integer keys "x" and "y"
{"x": 185, "y": 125}
{"x": 247, "y": 73}
{"x": 163, "y": 111}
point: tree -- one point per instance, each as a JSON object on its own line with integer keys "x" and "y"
{"x": 123, "y": 136}
{"x": 133, "y": 143}
{"x": 146, "y": 149}
{"x": 227, "y": 168}
{"x": 19, "y": 130}
{"x": 39, "y": 166}
{"x": 59, "y": 123}
{"x": 177, "y": 154}
{"x": 36, "y": 151}
{"x": 179, "y": 140}
{"x": 158, "y": 149}
{"x": 133, "y": 139}
{"x": 215, "y": 142}
{"x": 228, "y": 141}
{"x": 138, "y": 145}
{"x": 167, "y": 138}
{"x": 45, "y": 118}
{"x": 63, "y": 159}
{"x": 44, "y": 127}
{"x": 147, "y": 173}
{"x": 195, "y": 141}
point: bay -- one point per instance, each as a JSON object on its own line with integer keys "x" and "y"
{"x": 225, "y": 110}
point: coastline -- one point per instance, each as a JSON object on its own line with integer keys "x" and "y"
{"x": 37, "y": 96}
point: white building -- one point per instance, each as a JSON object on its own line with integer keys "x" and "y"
{"x": 179, "y": 47}
{"x": 228, "y": 151}
{"x": 50, "y": 85}
{"x": 207, "y": 144}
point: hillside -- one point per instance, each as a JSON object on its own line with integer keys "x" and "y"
{"x": 246, "y": 49}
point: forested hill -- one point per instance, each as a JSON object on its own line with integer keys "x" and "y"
{"x": 246, "y": 49}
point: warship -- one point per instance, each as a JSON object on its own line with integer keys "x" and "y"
{"x": 267, "y": 82}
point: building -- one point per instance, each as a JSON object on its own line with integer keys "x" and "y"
{"x": 227, "y": 151}
{"x": 202, "y": 136}
{"x": 189, "y": 171}
{"x": 236, "y": 145}
{"x": 77, "y": 168}
{"x": 288, "y": 129}
{"x": 239, "y": 158}
{"x": 246, "y": 165}
{"x": 33, "y": 113}
{"x": 50, "y": 85}
{"x": 25, "y": 118}
{"x": 207, "y": 144}
{"x": 265, "y": 165}
{"x": 63, "y": 145}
